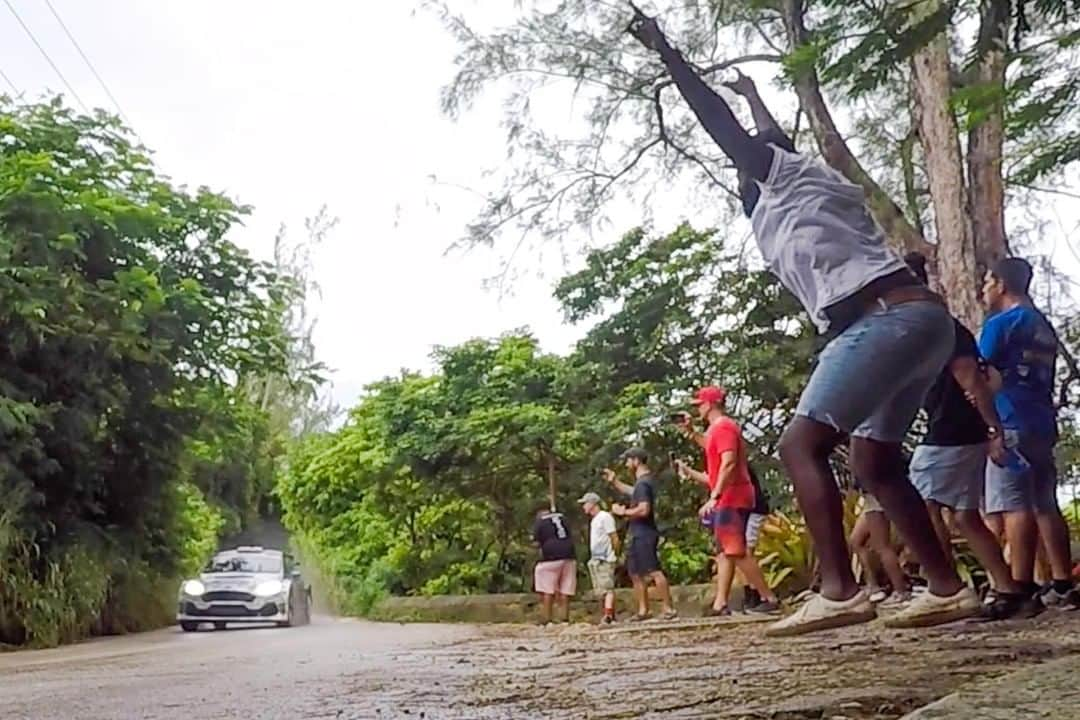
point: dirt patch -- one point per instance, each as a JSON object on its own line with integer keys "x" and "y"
{"x": 698, "y": 670}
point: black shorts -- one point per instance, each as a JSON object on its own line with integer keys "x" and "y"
{"x": 641, "y": 555}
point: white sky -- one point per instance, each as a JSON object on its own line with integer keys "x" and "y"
{"x": 287, "y": 106}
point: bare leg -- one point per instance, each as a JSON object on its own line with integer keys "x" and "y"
{"x": 725, "y": 573}
{"x": 750, "y": 569}
{"x": 664, "y": 589}
{"x": 545, "y": 607}
{"x": 564, "y": 607}
{"x": 880, "y": 466}
{"x": 804, "y": 450}
{"x": 986, "y": 549}
{"x": 609, "y": 603}
{"x": 941, "y": 529}
{"x": 860, "y": 545}
{"x": 995, "y": 523}
{"x": 640, "y": 594}
{"x": 1022, "y": 533}
{"x": 881, "y": 542}
{"x": 1055, "y": 537}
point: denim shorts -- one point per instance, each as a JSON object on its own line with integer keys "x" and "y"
{"x": 1034, "y": 489}
{"x": 950, "y": 475}
{"x": 871, "y": 379}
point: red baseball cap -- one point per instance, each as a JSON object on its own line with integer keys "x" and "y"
{"x": 710, "y": 394}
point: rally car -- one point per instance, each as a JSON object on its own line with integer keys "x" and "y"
{"x": 245, "y": 585}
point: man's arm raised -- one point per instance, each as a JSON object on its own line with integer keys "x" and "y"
{"x": 748, "y": 153}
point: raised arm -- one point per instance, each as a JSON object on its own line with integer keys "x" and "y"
{"x": 620, "y": 487}
{"x": 767, "y": 127}
{"x": 747, "y": 152}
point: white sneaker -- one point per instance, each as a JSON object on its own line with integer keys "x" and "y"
{"x": 878, "y": 596}
{"x": 927, "y": 609}
{"x": 820, "y": 613}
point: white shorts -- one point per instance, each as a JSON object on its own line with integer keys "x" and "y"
{"x": 753, "y": 529}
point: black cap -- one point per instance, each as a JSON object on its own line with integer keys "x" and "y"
{"x": 636, "y": 453}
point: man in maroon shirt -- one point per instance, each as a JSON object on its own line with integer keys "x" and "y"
{"x": 731, "y": 499}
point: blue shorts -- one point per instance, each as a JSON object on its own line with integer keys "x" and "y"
{"x": 871, "y": 379}
{"x": 1034, "y": 489}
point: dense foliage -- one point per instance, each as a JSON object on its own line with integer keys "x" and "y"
{"x": 430, "y": 485}
{"x": 130, "y": 323}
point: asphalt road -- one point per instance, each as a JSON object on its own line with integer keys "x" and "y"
{"x": 324, "y": 670}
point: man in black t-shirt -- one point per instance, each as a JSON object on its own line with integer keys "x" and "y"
{"x": 555, "y": 575}
{"x": 949, "y": 467}
{"x": 642, "y": 557}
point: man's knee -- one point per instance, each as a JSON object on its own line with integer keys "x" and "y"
{"x": 800, "y": 444}
{"x": 875, "y": 464}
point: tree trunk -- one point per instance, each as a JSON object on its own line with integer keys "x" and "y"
{"x": 986, "y": 139}
{"x": 900, "y": 232}
{"x": 945, "y": 169}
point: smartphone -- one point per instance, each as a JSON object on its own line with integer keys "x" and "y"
{"x": 678, "y": 417}
{"x": 672, "y": 459}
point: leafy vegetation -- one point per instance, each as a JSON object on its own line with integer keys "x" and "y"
{"x": 131, "y": 326}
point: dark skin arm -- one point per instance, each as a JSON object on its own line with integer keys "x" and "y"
{"x": 970, "y": 377}
{"x": 763, "y": 119}
{"x": 749, "y": 154}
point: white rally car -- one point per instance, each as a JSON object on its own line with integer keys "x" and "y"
{"x": 245, "y": 585}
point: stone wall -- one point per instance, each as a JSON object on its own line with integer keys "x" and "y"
{"x": 524, "y": 607}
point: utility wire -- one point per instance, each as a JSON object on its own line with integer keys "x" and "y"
{"x": 89, "y": 64}
{"x": 10, "y": 84}
{"x": 46, "y": 56}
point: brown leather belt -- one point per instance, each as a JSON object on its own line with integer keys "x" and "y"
{"x": 905, "y": 294}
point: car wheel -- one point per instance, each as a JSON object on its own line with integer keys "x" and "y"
{"x": 189, "y": 626}
{"x": 289, "y": 615}
{"x": 219, "y": 626}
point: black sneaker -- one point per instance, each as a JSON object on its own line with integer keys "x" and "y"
{"x": 608, "y": 620}
{"x": 765, "y": 607}
{"x": 1005, "y": 606}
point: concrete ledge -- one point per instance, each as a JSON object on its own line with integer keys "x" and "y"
{"x": 1048, "y": 691}
{"x": 523, "y": 607}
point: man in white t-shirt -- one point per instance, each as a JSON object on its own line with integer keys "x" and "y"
{"x": 603, "y": 548}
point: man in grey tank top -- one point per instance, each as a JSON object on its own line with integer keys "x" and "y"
{"x": 889, "y": 334}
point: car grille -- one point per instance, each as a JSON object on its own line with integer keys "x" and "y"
{"x": 218, "y": 611}
{"x": 227, "y": 595}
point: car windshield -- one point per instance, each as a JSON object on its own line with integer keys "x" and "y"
{"x": 245, "y": 564}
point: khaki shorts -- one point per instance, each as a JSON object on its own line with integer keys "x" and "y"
{"x": 602, "y": 574}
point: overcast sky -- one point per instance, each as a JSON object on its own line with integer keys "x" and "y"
{"x": 287, "y": 106}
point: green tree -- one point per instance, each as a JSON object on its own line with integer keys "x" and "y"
{"x": 127, "y": 317}
{"x": 962, "y": 103}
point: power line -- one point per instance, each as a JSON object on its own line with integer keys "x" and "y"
{"x": 11, "y": 85}
{"x": 46, "y": 56}
{"x": 89, "y": 64}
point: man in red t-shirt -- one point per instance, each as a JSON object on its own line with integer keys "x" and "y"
{"x": 731, "y": 498}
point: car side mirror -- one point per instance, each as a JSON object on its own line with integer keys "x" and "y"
{"x": 295, "y": 573}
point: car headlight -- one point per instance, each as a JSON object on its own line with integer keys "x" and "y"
{"x": 271, "y": 587}
{"x": 194, "y": 588}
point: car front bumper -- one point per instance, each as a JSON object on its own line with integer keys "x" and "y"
{"x": 256, "y": 611}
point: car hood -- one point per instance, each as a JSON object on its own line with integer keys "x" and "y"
{"x": 241, "y": 582}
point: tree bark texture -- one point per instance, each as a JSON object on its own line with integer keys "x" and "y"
{"x": 956, "y": 262}
{"x": 986, "y": 140}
